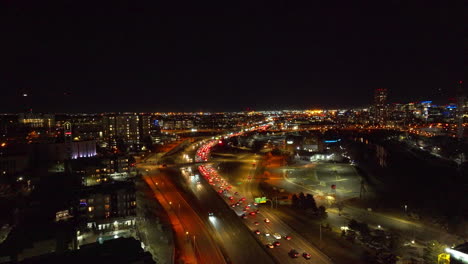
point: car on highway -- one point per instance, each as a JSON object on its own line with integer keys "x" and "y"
{"x": 306, "y": 255}
{"x": 255, "y": 223}
{"x": 276, "y": 243}
{"x": 231, "y": 198}
{"x": 252, "y": 213}
{"x": 210, "y": 214}
{"x": 277, "y": 236}
{"x": 236, "y": 193}
{"x": 257, "y": 232}
{"x": 293, "y": 253}
{"x": 233, "y": 205}
{"x": 267, "y": 234}
{"x": 244, "y": 216}
{"x": 267, "y": 220}
{"x": 287, "y": 237}
{"x": 269, "y": 245}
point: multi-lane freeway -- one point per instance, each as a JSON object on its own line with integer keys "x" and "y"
{"x": 238, "y": 191}
{"x": 246, "y": 184}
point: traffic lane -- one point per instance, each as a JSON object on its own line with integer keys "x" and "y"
{"x": 297, "y": 242}
{"x": 204, "y": 244}
{"x": 281, "y": 252}
{"x": 238, "y": 243}
{"x": 206, "y": 247}
{"x": 275, "y": 225}
{"x": 186, "y": 253}
{"x": 193, "y": 228}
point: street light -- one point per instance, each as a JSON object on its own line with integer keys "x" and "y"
{"x": 406, "y": 208}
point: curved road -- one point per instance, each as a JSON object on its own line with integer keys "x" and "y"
{"x": 248, "y": 188}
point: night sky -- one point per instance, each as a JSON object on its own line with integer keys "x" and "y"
{"x": 74, "y": 56}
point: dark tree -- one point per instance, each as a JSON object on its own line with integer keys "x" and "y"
{"x": 310, "y": 202}
{"x": 353, "y": 225}
{"x": 295, "y": 201}
{"x": 301, "y": 200}
{"x": 364, "y": 229}
{"x": 322, "y": 213}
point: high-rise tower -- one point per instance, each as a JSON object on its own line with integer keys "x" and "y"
{"x": 380, "y": 105}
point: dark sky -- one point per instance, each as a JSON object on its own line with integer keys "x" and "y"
{"x": 75, "y": 56}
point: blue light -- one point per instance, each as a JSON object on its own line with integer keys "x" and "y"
{"x": 426, "y": 102}
{"x": 156, "y": 122}
{"x": 332, "y": 141}
{"x": 451, "y": 106}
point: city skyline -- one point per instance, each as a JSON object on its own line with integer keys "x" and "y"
{"x": 259, "y": 132}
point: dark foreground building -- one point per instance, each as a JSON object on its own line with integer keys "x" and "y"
{"x": 121, "y": 250}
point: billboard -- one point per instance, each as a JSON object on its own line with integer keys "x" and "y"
{"x": 260, "y": 199}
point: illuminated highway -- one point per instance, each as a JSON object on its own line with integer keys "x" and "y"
{"x": 240, "y": 190}
{"x": 239, "y": 244}
{"x": 248, "y": 188}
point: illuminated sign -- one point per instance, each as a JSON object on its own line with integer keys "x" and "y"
{"x": 332, "y": 141}
{"x": 260, "y": 199}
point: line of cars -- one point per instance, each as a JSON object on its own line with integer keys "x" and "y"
{"x": 232, "y": 198}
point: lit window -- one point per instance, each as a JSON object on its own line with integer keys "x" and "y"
{"x": 90, "y": 208}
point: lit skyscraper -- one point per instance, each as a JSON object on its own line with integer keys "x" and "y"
{"x": 380, "y": 105}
